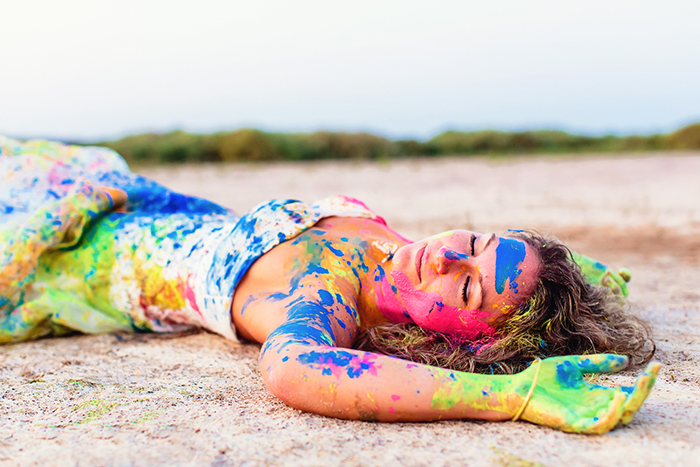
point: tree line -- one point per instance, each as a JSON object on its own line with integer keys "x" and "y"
{"x": 255, "y": 145}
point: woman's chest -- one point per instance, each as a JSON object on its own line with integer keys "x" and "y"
{"x": 323, "y": 269}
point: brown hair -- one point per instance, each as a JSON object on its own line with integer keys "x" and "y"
{"x": 565, "y": 315}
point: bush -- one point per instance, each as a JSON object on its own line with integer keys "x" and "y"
{"x": 246, "y": 145}
{"x": 176, "y": 146}
{"x": 686, "y": 138}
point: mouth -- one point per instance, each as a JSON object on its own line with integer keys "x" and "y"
{"x": 419, "y": 262}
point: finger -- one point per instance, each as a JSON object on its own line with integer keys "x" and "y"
{"x": 621, "y": 284}
{"x": 608, "y": 280}
{"x": 625, "y": 290}
{"x": 601, "y": 363}
{"x": 614, "y": 283}
{"x": 625, "y": 274}
{"x": 642, "y": 388}
{"x": 605, "y": 420}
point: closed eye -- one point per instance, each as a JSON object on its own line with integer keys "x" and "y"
{"x": 465, "y": 297}
{"x": 465, "y": 290}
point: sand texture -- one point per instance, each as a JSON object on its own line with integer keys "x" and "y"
{"x": 197, "y": 399}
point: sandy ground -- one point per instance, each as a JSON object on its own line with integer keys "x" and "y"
{"x": 196, "y": 399}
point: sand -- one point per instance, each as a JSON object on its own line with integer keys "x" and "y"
{"x": 197, "y": 399}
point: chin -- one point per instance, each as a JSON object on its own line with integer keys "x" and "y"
{"x": 401, "y": 258}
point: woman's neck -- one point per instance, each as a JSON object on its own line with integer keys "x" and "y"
{"x": 345, "y": 263}
{"x": 375, "y": 245}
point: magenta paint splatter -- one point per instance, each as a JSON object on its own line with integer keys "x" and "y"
{"x": 428, "y": 311}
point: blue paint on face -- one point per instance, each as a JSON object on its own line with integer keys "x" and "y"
{"x": 454, "y": 256}
{"x": 509, "y": 254}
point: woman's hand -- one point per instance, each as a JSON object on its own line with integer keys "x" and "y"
{"x": 599, "y": 274}
{"x": 562, "y": 399}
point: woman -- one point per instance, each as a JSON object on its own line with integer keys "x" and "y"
{"x": 310, "y": 282}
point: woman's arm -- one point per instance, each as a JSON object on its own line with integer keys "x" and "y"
{"x": 358, "y": 385}
{"x": 597, "y": 273}
{"x": 301, "y": 366}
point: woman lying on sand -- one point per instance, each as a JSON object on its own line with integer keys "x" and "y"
{"x": 327, "y": 288}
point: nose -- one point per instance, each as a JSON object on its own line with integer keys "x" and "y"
{"x": 446, "y": 257}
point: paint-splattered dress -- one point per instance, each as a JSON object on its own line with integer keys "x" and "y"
{"x": 171, "y": 262}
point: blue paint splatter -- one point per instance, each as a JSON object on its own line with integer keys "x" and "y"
{"x": 509, "y": 254}
{"x": 333, "y": 250}
{"x": 336, "y": 358}
{"x": 568, "y": 375}
{"x": 326, "y": 298}
{"x": 454, "y": 256}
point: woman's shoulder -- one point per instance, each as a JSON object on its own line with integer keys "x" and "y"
{"x": 309, "y": 213}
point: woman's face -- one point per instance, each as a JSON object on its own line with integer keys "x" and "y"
{"x": 464, "y": 282}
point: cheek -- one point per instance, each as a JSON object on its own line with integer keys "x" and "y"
{"x": 429, "y": 312}
{"x": 419, "y": 304}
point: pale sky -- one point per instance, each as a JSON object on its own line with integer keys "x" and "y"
{"x": 88, "y": 70}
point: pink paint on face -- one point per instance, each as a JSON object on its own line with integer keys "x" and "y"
{"x": 387, "y": 301}
{"x": 429, "y": 312}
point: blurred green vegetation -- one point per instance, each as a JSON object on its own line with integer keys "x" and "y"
{"x": 254, "y": 145}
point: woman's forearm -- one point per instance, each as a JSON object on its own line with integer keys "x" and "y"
{"x": 353, "y": 384}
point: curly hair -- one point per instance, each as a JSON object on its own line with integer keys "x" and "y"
{"x": 565, "y": 315}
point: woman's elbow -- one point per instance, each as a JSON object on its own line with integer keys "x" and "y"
{"x": 279, "y": 376}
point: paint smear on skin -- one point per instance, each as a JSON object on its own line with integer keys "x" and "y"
{"x": 569, "y": 376}
{"x": 337, "y": 362}
{"x": 429, "y": 312}
{"x": 509, "y": 254}
{"x": 452, "y": 255}
{"x": 451, "y": 391}
{"x": 443, "y": 234}
{"x": 388, "y": 303}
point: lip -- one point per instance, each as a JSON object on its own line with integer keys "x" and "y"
{"x": 419, "y": 262}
